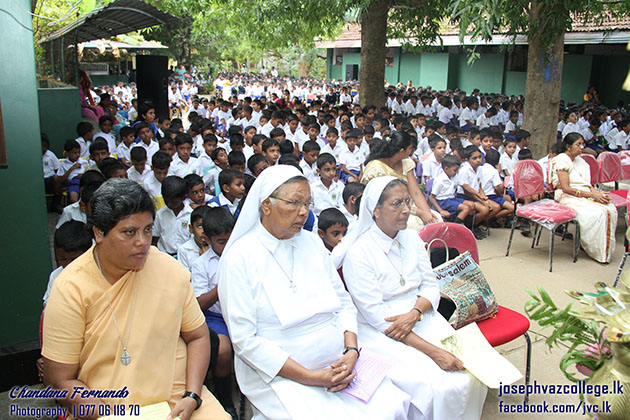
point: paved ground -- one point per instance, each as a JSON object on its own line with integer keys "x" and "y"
{"x": 509, "y": 277}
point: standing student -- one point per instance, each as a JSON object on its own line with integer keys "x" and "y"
{"x": 171, "y": 229}
{"x": 217, "y": 226}
{"x": 189, "y": 251}
{"x": 160, "y": 163}
{"x": 85, "y": 131}
{"x": 325, "y": 191}
{"x": 106, "y": 124}
{"x": 123, "y": 150}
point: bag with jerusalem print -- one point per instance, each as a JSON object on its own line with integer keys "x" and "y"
{"x": 462, "y": 282}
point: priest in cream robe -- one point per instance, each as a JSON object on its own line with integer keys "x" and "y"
{"x": 112, "y": 307}
{"x": 292, "y": 324}
{"x": 389, "y": 276}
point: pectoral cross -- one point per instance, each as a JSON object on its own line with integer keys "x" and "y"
{"x": 125, "y": 359}
{"x": 402, "y": 280}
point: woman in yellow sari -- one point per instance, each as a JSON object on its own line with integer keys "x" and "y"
{"x": 124, "y": 315}
{"x": 390, "y": 157}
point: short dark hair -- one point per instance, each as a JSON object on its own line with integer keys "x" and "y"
{"x": 330, "y": 217}
{"x": 236, "y": 157}
{"x": 138, "y": 154}
{"x": 71, "y": 144}
{"x": 117, "y": 199}
{"x": 198, "y": 213}
{"x": 139, "y": 126}
{"x": 210, "y": 138}
{"x": 227, "y": 176}
{"x": 355, "y": 133}
{"x": 83, "y": 128}
{"x": 470, "y": 150}
{"x": 192, "y": 180}
{"x": 492, "y": 157}
{"x": 161, "y": 160}
{"x": 277, "y": 132}
{"x": 236, "y": 139}
{"x": 73, "y": 236}
{"x": 525, "y": 154}
{"x": 310, "y": 145}
{"x": 174, "y": 187}
{"x": 288, "y": 159}
{"x": 332, "y": 130}
{"x": 286, "y": 147}
{"x": 254, "y": 160}
{"x": 449, "y": 161}
{"x": 257, "y": 138}
{"x": 521, "y": 135}
{"x": 183, "y": 138}
{"x": 109, "y": 165}
{"x": 215, "y": 153}
{"x": 434, "y": 139}
{"x": 99, "y": 144}
{"x": 104, "y": 118}
{"x": 269, "y": 143}
{"x": 87, "y": 192}
{"x": 217, "y": 221}
{"x": 125, "y": 131}
{"x": 325, "y": 158}
{"x": 352, "y": 189}
{"x": 91, "y": 176}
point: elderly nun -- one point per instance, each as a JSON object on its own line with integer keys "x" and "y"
{"x": 292, "y": 324}
{"x": 388, "y": 274}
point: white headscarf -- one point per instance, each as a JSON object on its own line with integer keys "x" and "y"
{"x": 369, "y": 199}
{"x": 266, "y": 183}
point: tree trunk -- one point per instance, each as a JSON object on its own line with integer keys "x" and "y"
{"x": 542, "y": 92}
{"x": 373, "y": 42}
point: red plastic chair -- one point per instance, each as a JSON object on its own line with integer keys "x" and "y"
{"x": 612, "y": 171}
{"x": 506, "y": 325}
{"x": 624, "y": 156}
{"x": 594, "y": 165}
{"x": 528, "y": 181}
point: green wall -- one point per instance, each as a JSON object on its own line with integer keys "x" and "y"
{"x": 350, "y": 58}
{"x": 60, "y": 126}
{"x": 514, "y": 82}
{"x": 608, "y": 74}
{"x": 108, "y": 79}
{"x": 24, "y": 247}
{"x": 485, "y": 74}
{"x": 434, "y": 70}
{"x": 576, "y": 74}
{"x": 410, "y": 68}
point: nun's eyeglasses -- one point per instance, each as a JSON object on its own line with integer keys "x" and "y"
{"x": 295, "y": 204}
{"x": 399, "y": 204}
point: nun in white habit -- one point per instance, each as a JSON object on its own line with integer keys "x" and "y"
{"x": 388, "y": 274}
{"x": 292, "y": 324}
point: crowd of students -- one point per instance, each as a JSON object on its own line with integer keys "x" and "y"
{"x": 198, "y": 169}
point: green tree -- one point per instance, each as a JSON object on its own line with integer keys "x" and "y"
{"x": 545, "y": 23}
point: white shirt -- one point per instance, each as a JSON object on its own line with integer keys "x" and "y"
{"x": 466, "y": 115}
{"x": 610, "y": 136}
{"x": 140, "y": 178}
{"x": 350, "y": 217}
{"x": 446, "y": 115}
{"x": 352, "y": 159}
{"x": 65, "y": 165}
{"x": 336, "y": 152}
{"x": 431, "y": 167}
{"x": 223, "y": 201}
{"x": 467, "y": 176}
{"x": 110, "y": 138}
{"x": 266, "y": 129}
{"x": 85, "y": 147}
{"x": 544, "y": 163}
{"x": 71, "y": 212}
{"x": 180, "y": 168}
{"x": 324, "y": 198}
{"x": 203, "y": 275}
{"x": 570, "y": 128}
{"x": 444, "y": 187}
{"x": 124, "y": 152}
{"x": 153, "y": 186}
{"x": 621, "y": 139}
{"x": 50, "y": 164}
{"x": 211, "y": 179}
{"x": 172, "y": 230}
{"x": 309, "y": 171}
{"x": 151, "y": 149}
{"x": 397, "y": 107}
{"x": 509, "y": 126}
{"x": 51, "y": 279}
{"x": 187, "y": 253}
{"x": 489, "y": 178}
{"x": 507, "y": 163}
{"x": 483, "y": 121}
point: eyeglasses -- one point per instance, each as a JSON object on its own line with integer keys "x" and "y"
{"x": 399, "y": 204}
{"x": 295, "y": 204}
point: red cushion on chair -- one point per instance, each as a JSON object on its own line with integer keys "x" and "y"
{"x": 618, "y": 198}
{"x": 547, "y": 211}
{"x": 504, "y": 327}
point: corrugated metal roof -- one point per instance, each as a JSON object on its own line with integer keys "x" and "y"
{"x": 118, "y": 17}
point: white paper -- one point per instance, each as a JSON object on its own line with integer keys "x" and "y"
{"x": 371, "y": 369}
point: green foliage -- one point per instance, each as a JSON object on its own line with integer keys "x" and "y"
{"x": 585, "y": 342}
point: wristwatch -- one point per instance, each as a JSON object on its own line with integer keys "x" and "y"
{"x": 419, "y": 312}
{"x": 194, "y": 396}
{"x": 347, "y": 349}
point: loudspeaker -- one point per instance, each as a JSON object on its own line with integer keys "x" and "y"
{"x": 352, "y": 72}
{"x": 152, "y": 82}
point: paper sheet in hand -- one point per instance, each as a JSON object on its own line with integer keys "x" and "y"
{"x": 157, "y": 411}
{"x": 371, "y": 370}
{"x": 479, "y": 358}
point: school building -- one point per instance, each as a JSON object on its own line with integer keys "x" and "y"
{"x": 594, "y": 54}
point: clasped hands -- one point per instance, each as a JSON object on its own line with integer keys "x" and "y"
{"x": 338, "y": 375}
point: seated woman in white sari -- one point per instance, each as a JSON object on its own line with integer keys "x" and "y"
{"x": 389, "y": 276}
{"x": 571, "y": 179}
{"x": 292, "y": 324}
